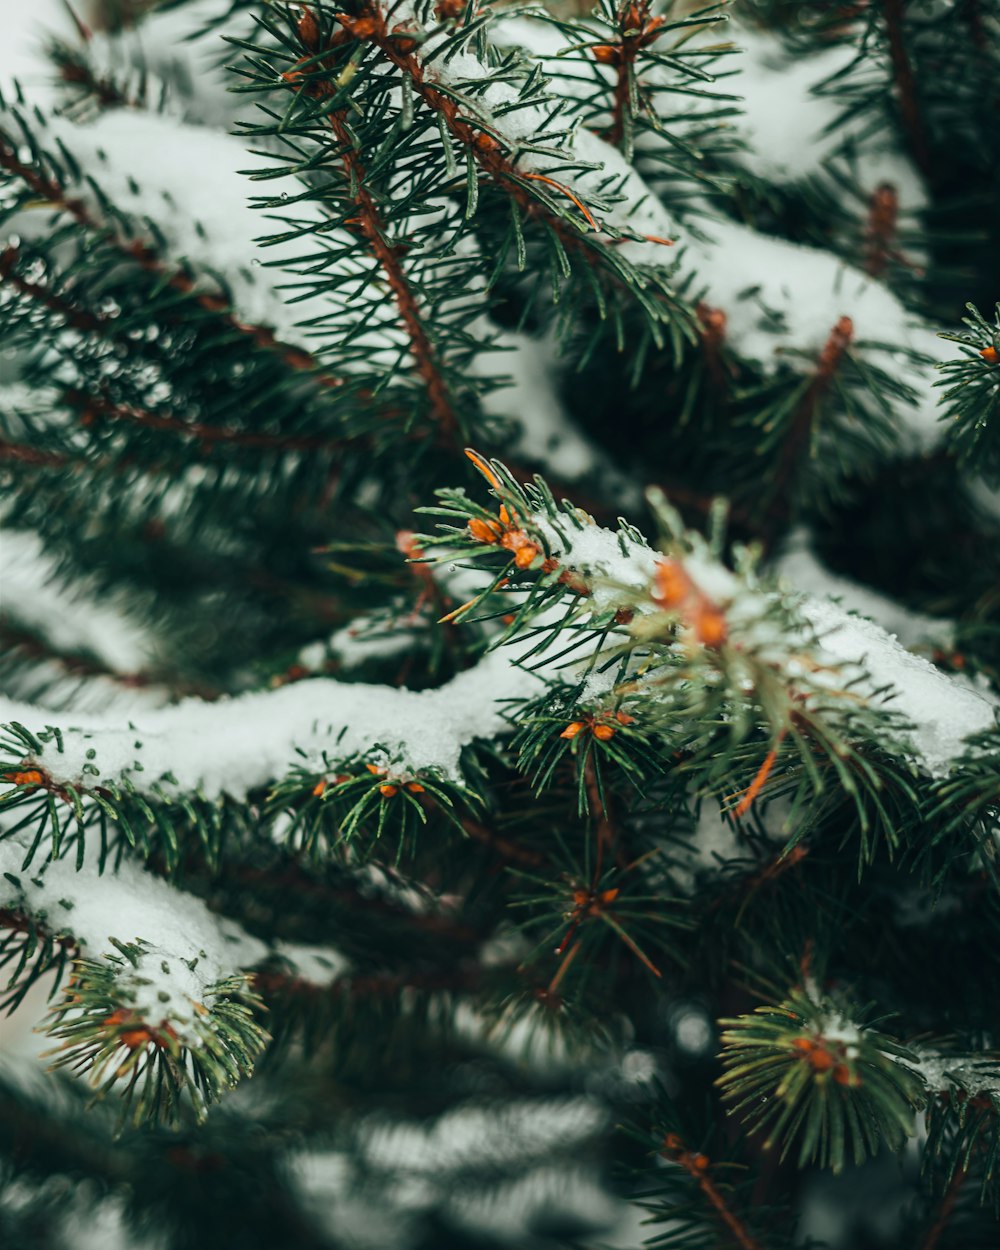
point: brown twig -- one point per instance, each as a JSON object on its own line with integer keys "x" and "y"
{"x": 30, "y": 455}
{"x": 502, "y": 846}
{"x": 696, "y": 1166}
{"x": 946, "y": 1209}
{"x": 77, "y": 318}
{"x": 49, "y": 190}
{"x": 91, "y": 407}
{"x": 636, "y": 30}
{"x": 367, "y": 224}
{"x": 802, "y": 422}
{"x": 906, "y": 88}
{"x": 883, "y": 215}
{"x": 604, "y": 829}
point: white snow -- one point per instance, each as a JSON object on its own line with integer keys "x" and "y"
{"x": 790, "y": 127}
{"x": 801, "y": 571}
{"x": 943, "y": 709}
{"x": 70, "y": 618}
{"x": 234, "y": 745}
{"x": 189, "y": 948}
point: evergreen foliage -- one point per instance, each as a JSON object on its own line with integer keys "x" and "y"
{"x": 501, "y": 634}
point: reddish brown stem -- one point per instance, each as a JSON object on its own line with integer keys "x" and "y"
{"x": 49, "y": 190}
{"x": 906, "y": 88}
{"x": 883, "y": 214}
{"x": 802, "y": 424}
{"x": 30, "y": 455}
{"x": 92, "y": 407}
{"x": 503, "y": 846}
{"x": 78, "y": 318}
{"x": 696, "y": 1166}
{"x": 367, "y": 223}
{"x": 604, "y": 830}
{"x": 945, "y": 1210}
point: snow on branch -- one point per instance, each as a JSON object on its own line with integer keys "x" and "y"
{"x": 161, "y": 996}
{"x": 779, "y": 298}
{"x": 234, "y": 746}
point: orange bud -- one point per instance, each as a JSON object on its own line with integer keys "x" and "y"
{"x": 710, "y": 627}
{"x": 700, "y": 1163}
{"x": 320, "y": 788}
{"x": 359, "y": 27}
{"x": 388, "y": 791}
{"x": 623, "y": 718}
{"x": 604, "y": 733}
{"x": 605, "y": 54}
{"x": 821, "y": 1060}
{"x": 486, "y": 142}
{"x": 671, "y": 585}
{"x": 375, "y": 770}
{"x": 32, "y": 777}
{"x": 415, "y": 787}
{"x": 524, "y": 557}
{"x": 990, "y": 355}
{"x": 609, "y": 896}
{"x": 134, "y": 1039}
{"x": 504, "y": 514}
{"x": 803, "y": 1043}
{"x": 843, "y": 1075}
{"x": 573, "y": 729}
{"x": 484, "y": 531}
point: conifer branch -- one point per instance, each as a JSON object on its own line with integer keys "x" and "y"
{"x": 883, "y": 214}
{"x": 22, "y": 454}
{"x": 906, "y": 87}
{"x": 483, "y": 146}
{"x": 946, "y": 1208}
{"x": 143, "y": 254}
{"x": 369, "y": 226}
{"x": 91, "y": 407}
{"x": 697, "y": 1165}
{"x": 29, "y": 646}
{"x": 77, "y": 318}
{"x": 799, "y": 435}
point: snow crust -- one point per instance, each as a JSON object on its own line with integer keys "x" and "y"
{"x": 69, "y": 617}
{"x": 801, "y": 571}
{"x": 943, "y": 709}
{"x": 189, "y": 948}
{"x": 235, "y": 745}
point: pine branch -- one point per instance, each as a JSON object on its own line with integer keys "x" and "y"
{"x": 49, "y": 189}
{"x": 906, "y": 87}
{"x": 697, "y": 1167}
{"x": 22, "y": 454}
{"x": 937, "y": 1229}
{"x": 801, "y": 430}
{"x": 92, "y": 407}
{"x": 369, "y": 225}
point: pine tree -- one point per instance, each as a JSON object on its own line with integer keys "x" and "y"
{"x": 501, "y": 624}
